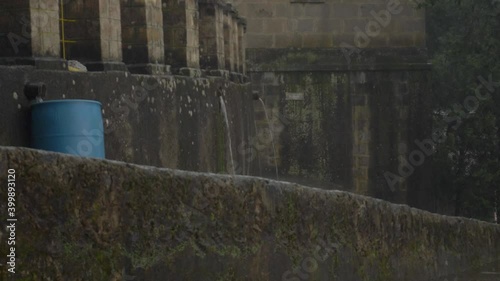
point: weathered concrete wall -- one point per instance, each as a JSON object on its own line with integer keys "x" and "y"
{"x": 352, "y": 122}
{"x": 362, "y": 69}
{"x": 81, "y": 219}
{"x": 326, "y": 24}
{"x": 165, "y": 121}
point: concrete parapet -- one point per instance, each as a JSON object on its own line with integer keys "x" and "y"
{"x": 104, "y": 220}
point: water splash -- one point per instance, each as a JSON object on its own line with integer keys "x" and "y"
{"x": 226, "y": 120}
{"x": 271, "y": 131}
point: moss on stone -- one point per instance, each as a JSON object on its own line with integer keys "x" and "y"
{"x": 93, "y": 215}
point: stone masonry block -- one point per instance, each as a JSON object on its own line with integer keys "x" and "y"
{"x": 31, "y": 29}
{"x": 181, "y": 17}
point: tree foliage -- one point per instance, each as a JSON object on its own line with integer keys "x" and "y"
{"x": 464, "y": 44}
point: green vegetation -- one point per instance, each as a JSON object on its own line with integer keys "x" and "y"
{"x": 464, "y": 45}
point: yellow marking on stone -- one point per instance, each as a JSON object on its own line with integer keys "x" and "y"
{"x": 63, "y": 39}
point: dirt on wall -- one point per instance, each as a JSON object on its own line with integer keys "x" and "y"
{"x": 88, "y": 219}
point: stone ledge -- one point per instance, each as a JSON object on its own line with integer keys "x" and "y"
{"x": 236, "y": 77}
{"x": 219, "y": 3}
{"x": 190, "y": 72}
{"x": 105, "y": 66}
{"x": 226, "y": 74}
{"x": 112, "y": 220}
{"x": 150, "y": 68}
{"x": 219, "y": 73}
{"x": 38, "y": 62}
{"x": 336, "y": 59}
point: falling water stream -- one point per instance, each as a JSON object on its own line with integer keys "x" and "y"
{"x": 226, "y": 120}
{"x": 258, "y": 158}
{"x": 271, "y": 131}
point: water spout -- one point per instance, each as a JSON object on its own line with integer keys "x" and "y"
{"x": 34, "y": 92}
{"x": 271, "y": 131}
{"x": 226, "y": 120}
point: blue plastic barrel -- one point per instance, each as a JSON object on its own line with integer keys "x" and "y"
{"x": 68, "y": 126}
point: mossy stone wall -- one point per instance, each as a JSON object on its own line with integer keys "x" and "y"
{"x": 85, "y": 219}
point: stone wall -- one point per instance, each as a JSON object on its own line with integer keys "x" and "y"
{"x": 151, "y": 117}
{"x": 347, "y": 126}
{"x": 376, "y": 116}
{"x": 166, "y": 121}
{"x": 84, "y": 219}
{"x": 346, "y": 82}
{"x": 330, "y": 23}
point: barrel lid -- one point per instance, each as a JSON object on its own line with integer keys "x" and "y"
{"x": 67, "y": 101}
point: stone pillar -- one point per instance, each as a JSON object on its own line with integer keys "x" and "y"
{"x": 93, "y": 29}
{"x": 236, "y": 46}
{"x": 180, "y": 27}
{"x": 242, "y": 28}
{"x": 361, "y": 132}
{"x": 30, "y": 33}
{"x": 142, "y": 33}
{"x": 211, "y": 35}
{"x": 228, "y": 38}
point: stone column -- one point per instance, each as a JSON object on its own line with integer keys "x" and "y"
{"x": 242, "y": 27}
{"x": 211, "y": 35}
{"x": 235, "y": 40}
{"x": 29, "y": 33}
{"x": 93, "y": 29}
{"x": 180, "y": 21}
{"x": 142, "y": 33}
{"x": 228, "y": 38}
{"x": 361, "y": 132}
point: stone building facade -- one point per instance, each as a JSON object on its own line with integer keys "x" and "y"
{"x": 330, "y": 23}
{"x": 158, "y": 67}
{"x": 148, "y": 37}
{"x": 346, "y": 82}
